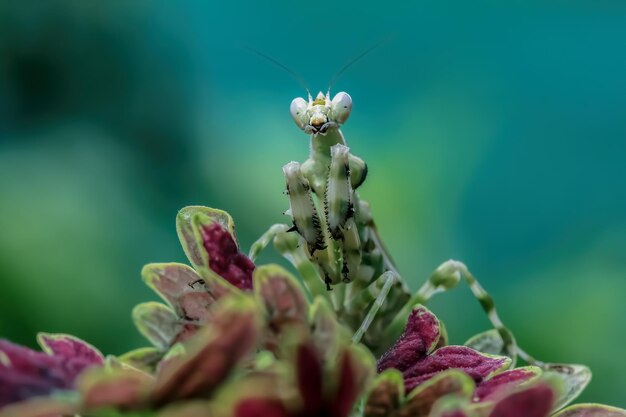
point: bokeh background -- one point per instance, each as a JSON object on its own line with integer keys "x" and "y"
{"x": 495, "y": 133}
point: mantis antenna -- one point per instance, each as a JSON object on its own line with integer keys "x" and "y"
{"x": 279, "y": 64}
{"x": 355, "y": 60}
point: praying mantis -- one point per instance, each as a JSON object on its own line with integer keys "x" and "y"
{"x": 335, "y": 245}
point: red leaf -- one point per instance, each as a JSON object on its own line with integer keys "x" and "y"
{"x": 347, "y": 389}
{"x": 535, "y": 401}
{"x": 25, "y": 373}
{"x": 475, "y": 364}
{"x": 504, "y": 381}
{"x": 309, "y": 377}
{"x": 76, "y": 354}
{"x": 261, "y": 407}
{"x": 420, "y": 337}
{"x": 225, "y": 258}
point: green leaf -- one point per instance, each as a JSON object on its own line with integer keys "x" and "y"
{"x": 452, "y": 382}
{"x": 574, "y": 379}
{"x": 591, "y": 410}
{"x": 187, "y": 409}
{"x": 112, "y": 412}
{"x": 157, "y": 323}
{"x": 386, "y": 394}
{"x": 144, "y": 359}
{"x": 452, "y": 406}
{"x": 487, "y": 342}
{"x": 326, "y": 332}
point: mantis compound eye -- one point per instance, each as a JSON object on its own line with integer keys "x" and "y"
{"x": 341, "y": 106}
{"x": 298, "y": 111}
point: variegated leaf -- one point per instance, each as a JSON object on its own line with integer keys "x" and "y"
{"x": 575, "y": 379}
{"x": 157, "y": 323}
{"x": 591, "y": 410}
{"x": 487, "y": 342}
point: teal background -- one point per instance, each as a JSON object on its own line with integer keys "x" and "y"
{"x": 495, "y": 133}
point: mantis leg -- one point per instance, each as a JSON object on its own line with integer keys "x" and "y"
{"x": 291, "y": 246}
{"x": 265, "y": 239}
{"x": 489, "y": 307}
{"x": 388, "y": 279}
{"x": 447, "y": 276}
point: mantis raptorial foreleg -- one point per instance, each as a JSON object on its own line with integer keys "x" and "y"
{"x": 339, "y": 196}
{"x": 306, "y": 220}
{"x": 351, "y": 245}
{"x": 339, "y": 210}
{"x": 310, "y": 225}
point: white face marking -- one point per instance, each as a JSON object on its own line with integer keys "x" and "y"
{"x": 316, "y": 116}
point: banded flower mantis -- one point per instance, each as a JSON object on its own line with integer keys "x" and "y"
{"x": 334, "y": 243}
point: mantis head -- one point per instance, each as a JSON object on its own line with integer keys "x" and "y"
{"x": 317, "y": 116}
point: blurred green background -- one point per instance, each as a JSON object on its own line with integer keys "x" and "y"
{"x": 495, "y": 133}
